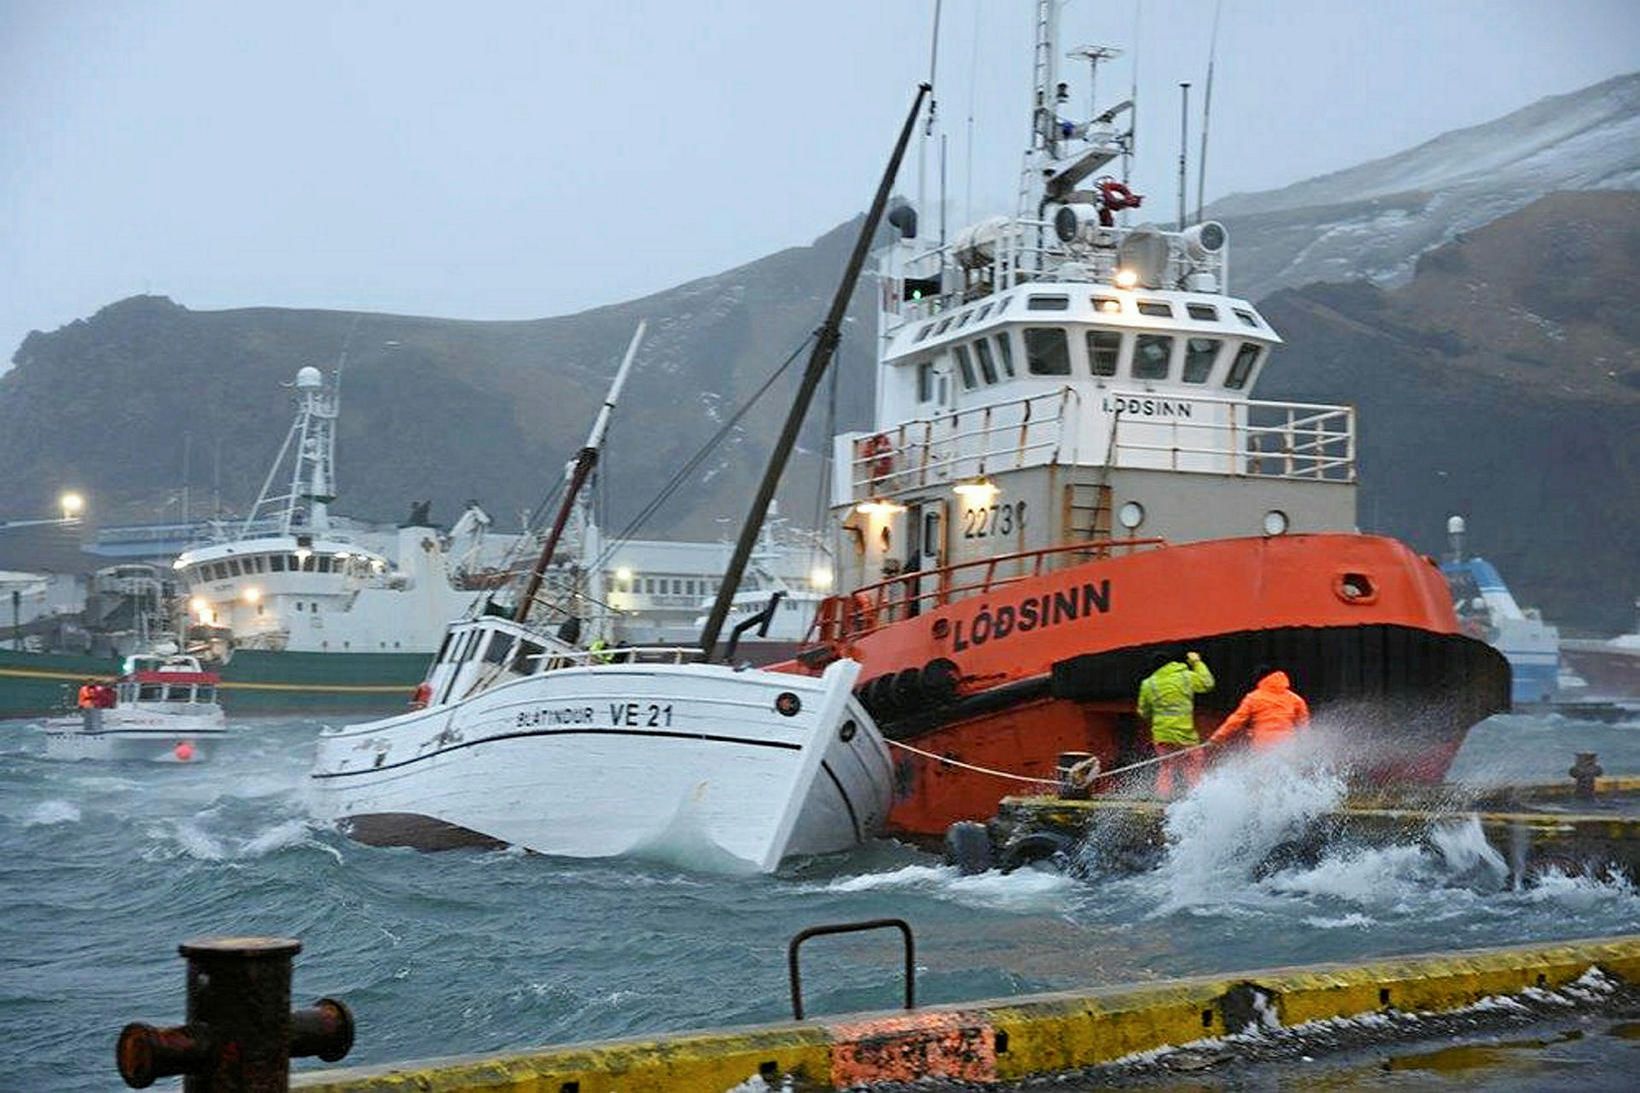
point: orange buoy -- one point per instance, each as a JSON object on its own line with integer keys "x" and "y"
{"x": 184, "y": 751}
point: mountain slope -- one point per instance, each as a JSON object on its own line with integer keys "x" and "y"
{"x": 1502, "y": 383}
{"x": 1373, "y": 220}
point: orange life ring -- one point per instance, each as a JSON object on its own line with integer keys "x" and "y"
{"x": 422, "y": 696}
{"x": 878, "y": 452}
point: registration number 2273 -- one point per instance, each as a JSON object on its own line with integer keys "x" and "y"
{"x": 988, "y": 520}
{"x": 640, "y": 715}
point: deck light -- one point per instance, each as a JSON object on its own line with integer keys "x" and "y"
{"x": 820, "y": 577}
{"x": 624, "y": 575}
{"x": 303, "y": 554}
{"x": 252, "y": 594}
{"x": 1125, "y": 278}
{"x": 72, "y": 504}
{"x": 200, "y": 605}
{"x": 876, "y": 507}
{"x": 978, "y": 490}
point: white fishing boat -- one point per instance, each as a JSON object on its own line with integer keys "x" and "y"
{"x": 530, "y": 743}
{"x": 162, "y": 710}
{"x": 524, "y": 739}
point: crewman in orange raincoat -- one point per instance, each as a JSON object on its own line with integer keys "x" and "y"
{"x": 1269, "y": 714}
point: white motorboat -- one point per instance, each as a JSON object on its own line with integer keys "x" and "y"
{"x": 531, "y": 743}
{"x": 162, "y": 710}
{"x": 521, "y": 738}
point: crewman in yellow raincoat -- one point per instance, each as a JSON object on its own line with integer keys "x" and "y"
{"x": 1167, "y": 702}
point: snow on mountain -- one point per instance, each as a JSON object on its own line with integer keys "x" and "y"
{"x": 1375, "y": 219}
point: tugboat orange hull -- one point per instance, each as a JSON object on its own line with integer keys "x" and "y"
{"x": 1050, "y": 663}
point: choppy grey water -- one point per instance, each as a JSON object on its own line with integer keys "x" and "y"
{"x": 104, "y": 868}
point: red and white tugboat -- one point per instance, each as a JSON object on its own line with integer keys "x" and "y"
{"x": 163, "y": 710}
{"x": 1069, "y": 473}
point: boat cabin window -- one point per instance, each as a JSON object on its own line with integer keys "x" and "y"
{"x": 1247, "y": 318}
{"x": 471, "y": 646}
{"x": 982, "y": 312}
{"x": 179, "y": 692}
{"x": 1005, "y": 353}
{"x": 1242, "y": 366}
{"x": 529, "y": 657}
{"x": 1048, "y": 303}
{"x": 444, "y": 647}
{"x": 1002, "y": 304}
{"x": 1110, "y": 305}
{"x": 945, "y": 322}
{"x": 1199, "y": 355}
{"x": 1159, "y": 308}
{"x": 962, "y": 320}
{"x": 500, "y": 645}
{"x": 923, "y": 333}
{"x": 276, "y": 563}
{"x": 1207, "y": 313}
{"x": 925, "y": 381}
{"x": 1047, "y": 353}
{"x": 150, "y": 692}
{"x": 1151, "y": 354}
{"x": 324, "y": 563}
{"x": 206, "y": 693}
{"x": 1104, "y": 346}
{"x": 233, "y": 567}
{"x": 987, "y": 367}
{"x": 965, "y": 366}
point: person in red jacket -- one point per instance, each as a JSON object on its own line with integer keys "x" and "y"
{"x": 1270, "y": 713}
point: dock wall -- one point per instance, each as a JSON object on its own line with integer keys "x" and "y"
{"x": 1003, "y": 1039}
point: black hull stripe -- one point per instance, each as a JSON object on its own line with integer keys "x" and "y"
{"x": 564, "y": 732}
{"x": 198, "y": 734}
{"x": 843, "y": 793}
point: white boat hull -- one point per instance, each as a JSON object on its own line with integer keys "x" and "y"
{"x": 612, "y": 760}
{"x": 135, "y": 736}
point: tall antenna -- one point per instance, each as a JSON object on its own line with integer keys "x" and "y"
{"x": 1184, "y": 143}
{"x": 942, "y": 190}
{"x": 933, "y": 107}
{"x": 968, "y": 154}
{"x": 1133, "y": 97}
{"x": 1207, "y": 111}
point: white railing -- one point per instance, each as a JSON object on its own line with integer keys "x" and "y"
{"x": 1199, "y": 434}
{"x": 621, "y": 654}
{"x": 1020, "y": 252}
{"x": 1003, "y": 436}
{"x": 1242, "y": 437}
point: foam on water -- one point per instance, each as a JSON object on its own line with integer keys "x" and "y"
{"x": 50, "y": 812}
{"x": 1023, "y": 891}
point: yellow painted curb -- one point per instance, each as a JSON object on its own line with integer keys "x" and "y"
{"x": 1003, "y": 1039}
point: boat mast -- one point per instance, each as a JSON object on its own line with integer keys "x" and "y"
{"x": 825, "y": 345}
{"x": 585, "y": 461}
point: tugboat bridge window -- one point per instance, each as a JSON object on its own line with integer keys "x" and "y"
{"x": 233, "y": 567}
{"x": 1110, "y": 305}
{"x": 925, "y": 381}
{"x": 962, "y": 320}
{"x": 324, "y": 563}
{"x": 1151, "y": 354}
{"x": 1199, "y": 355}
{"x": 987, "y": 367}
{"x": 1242, "y": 367}
{"x": 1156, "y": 307}
{"x": 1005, "y": 352}
{"x": 1047, "y": 353}
{"x": 1246, "y": 318}
{"x": 1104, "y": 347}
{"x": 923, "y": 333}
{"x": 1048, "y": 303}
{"x": 965, "y": 366}
{"x": 276, "y": 562}
{"x": 943, "y": 324}
{"x": 980, "y": 315}
{"x": 1207, "y": 313}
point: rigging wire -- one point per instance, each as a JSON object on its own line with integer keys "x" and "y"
{"x": 685, "y": 472}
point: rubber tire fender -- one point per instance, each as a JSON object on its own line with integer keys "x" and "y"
{"x": 939, "y": 680}
{"x": 968, "y": 847}
{"x": 1035, "y": 846}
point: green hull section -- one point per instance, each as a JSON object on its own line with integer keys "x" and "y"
{"x": 254, "y": 682}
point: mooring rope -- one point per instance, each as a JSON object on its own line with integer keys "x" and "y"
{"x": 1038, "y": 780}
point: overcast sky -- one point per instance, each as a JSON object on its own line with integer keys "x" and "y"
{"x": 513, "y": 160}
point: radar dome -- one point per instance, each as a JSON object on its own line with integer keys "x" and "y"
{"x": 309, "y": 377}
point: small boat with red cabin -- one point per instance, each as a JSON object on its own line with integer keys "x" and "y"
{"x": 163, "y": 709}
{"x": 1068, "y": 474}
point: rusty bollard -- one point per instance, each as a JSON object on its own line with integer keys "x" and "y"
{"x": 241, "y": 1032}
{"x": 1584, "y": 771}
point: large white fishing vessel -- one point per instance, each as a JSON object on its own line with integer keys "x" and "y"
{"x": 298, "y": 612}
{"x": 523, "y": 738}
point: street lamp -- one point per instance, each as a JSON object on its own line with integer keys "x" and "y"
{"x": 72, "y": 503}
